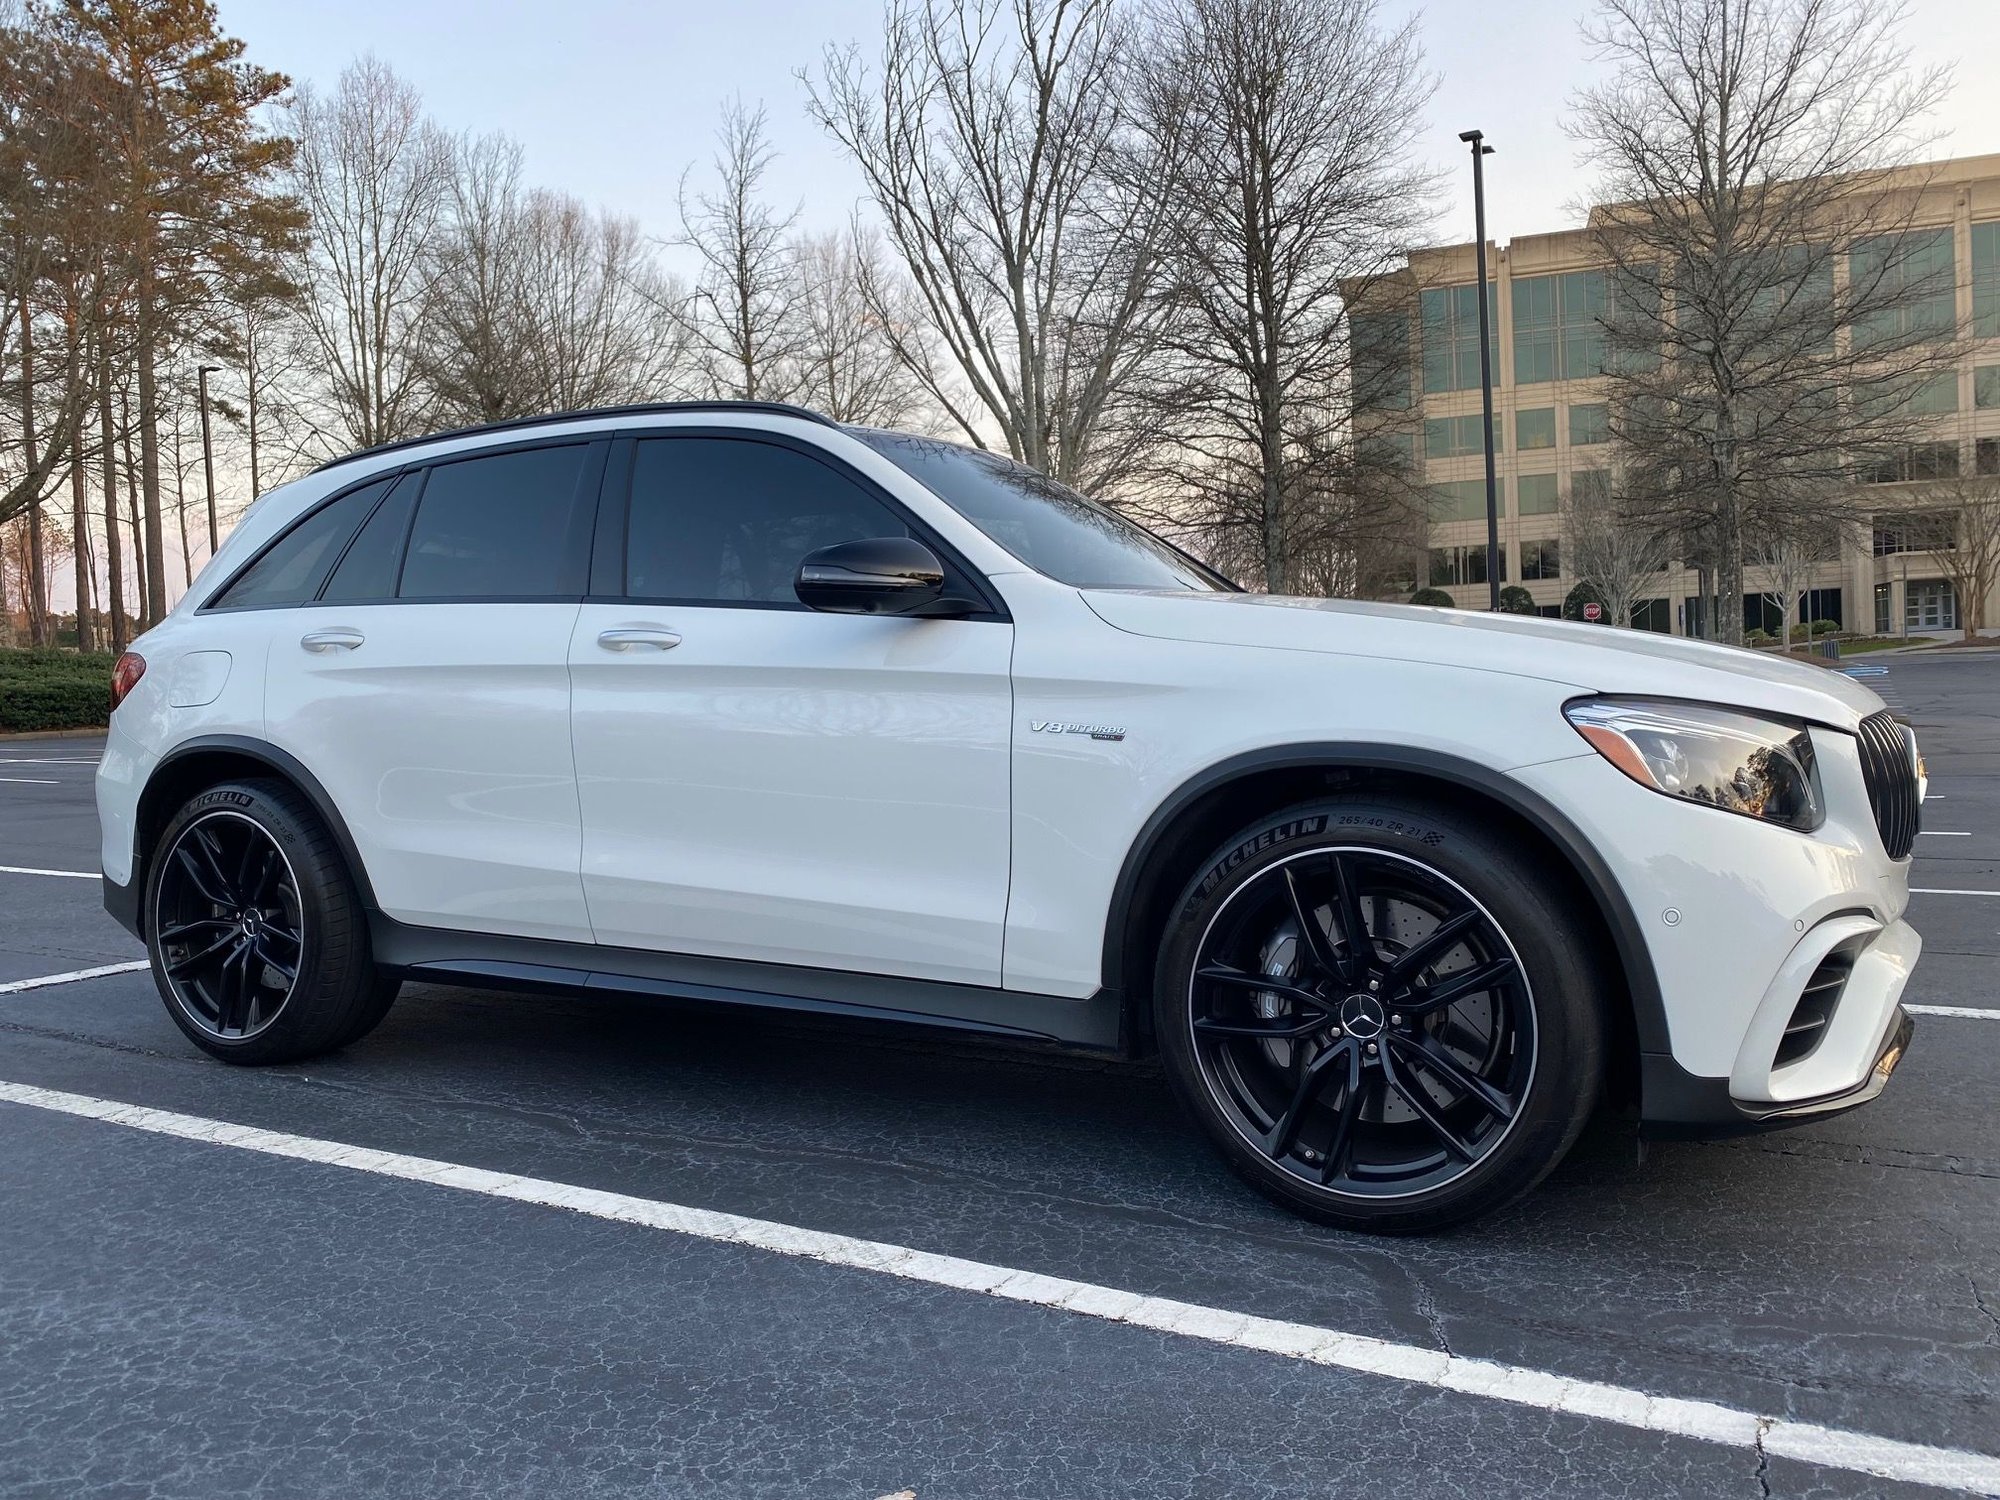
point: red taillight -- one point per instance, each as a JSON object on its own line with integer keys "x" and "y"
{"x": 125, "y": 676}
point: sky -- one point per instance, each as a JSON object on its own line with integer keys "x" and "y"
{"x": 612, "y": 99}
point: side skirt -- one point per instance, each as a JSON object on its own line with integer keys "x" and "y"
{"x": 537, "y": 964}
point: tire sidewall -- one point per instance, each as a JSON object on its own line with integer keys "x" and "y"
{"x": 1519, "y": 895}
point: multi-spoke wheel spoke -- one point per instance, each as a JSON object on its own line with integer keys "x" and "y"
{"x": 228, "y": 933}
{"x": 1323, "y": 1029}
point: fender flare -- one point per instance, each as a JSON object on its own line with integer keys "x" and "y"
{"x": 1649, "y": 1012}
{"x": 281, "y": 763}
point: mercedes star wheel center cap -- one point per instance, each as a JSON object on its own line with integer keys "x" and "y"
{"x": 1361, "y": 1016}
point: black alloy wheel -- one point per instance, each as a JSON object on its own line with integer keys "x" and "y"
{"x": 1383, "y": 1011}
{"x": 1363, "y": 1021}
{"x": 230, "y": 929}
{"x": 256, "y": 928}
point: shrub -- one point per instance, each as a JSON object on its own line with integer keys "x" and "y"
{"x": 1825, "y": 627}
{"x": 54, "y": 690}
{"x": 1515, "y": 600}
{"x": 1757, "y": 637}
{"x": 1582, "y": 594}
{"x": 1433, "y": 596}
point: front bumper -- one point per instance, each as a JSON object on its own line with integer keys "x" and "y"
{"x": 1680, "y": 1104}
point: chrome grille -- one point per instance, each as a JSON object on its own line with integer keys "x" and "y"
{"x": 1889, "y": 770}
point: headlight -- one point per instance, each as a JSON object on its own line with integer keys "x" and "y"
{"x": 1742, "y": 763}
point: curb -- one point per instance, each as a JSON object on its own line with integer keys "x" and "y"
{"x": 97, "y": 733}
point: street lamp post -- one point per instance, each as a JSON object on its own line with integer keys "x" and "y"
{"x": 208, "y": 452}
{"x": 1476, "y": 139}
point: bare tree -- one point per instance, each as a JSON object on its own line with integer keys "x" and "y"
{"x": 853, "y": 316}
{"x": 375, "y": 176}
{"x": 1283, "y": 131}
{"x": 741, "y": 314}
{"x": 1611, "y": 545}
{"x": 988, "y": 138}
{"x": 1959, "y": 525}
{"x": 471, "y": 353}
{"x": 1790, "y": 556}
{"x": 1768, "y": 297}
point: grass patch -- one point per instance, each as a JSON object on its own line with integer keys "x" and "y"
{"x": 54, "y": 690}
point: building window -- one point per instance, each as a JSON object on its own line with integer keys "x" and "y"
{"x": 1656, "y": 615}
{"x": 1590, "y": 486}
{"x": 1909, "y": 283}
{"x": 1536, "y": 494}
{"x": 1381, "y": 361}
{"x": 1915, "y": 531}
{"x": 1450, "y": 318}
{"x": 1912, "y": 462}
{"x": 1542, "y": 559}
{"x": 1986, "y": 280}
{"x": 1461, "y": 500}
{"x": 1986, "y": 386}
{"x": 1935, "y": 397}
{"x": 1589, "y": 423}
{"x": 1882, "y": 608}
{"x": 1536, "y": 428}
{"x": 1930, "y": 604}
{"x": 1387, "y": 450}
{"x": 1987, "y": 456}
{"x": 1462, "y": 565}
{"x": 1454, "y": 437}
{"x": 1558, "y": 329}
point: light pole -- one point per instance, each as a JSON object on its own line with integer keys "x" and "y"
{"x": 1477, "y": 140}
{"x": 208, "y": 451}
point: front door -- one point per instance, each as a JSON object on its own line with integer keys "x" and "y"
{"x": 758, "y": 780}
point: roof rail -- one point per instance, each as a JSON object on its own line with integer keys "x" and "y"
{"x": 636, "y": 409}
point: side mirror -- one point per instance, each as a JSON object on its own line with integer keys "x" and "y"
{"x": 884, "y": 575}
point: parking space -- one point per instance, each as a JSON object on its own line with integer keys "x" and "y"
{"x": 186, "y": 1310}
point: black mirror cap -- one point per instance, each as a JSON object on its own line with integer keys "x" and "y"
{"x": 883, "y": 575}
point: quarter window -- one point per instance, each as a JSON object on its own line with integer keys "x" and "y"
{"x": 728, "y": 521}
{"x": 496, "y": 527}
{"x": 368, "y": 570}
{"x": 290, "y": 570}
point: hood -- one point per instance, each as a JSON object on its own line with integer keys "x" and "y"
{"x": 1590, "y": 658}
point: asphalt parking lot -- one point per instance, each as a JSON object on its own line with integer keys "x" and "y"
{"x": 191, "y": 1311}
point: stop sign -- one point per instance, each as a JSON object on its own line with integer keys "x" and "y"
{"x": 1593, "y": 611}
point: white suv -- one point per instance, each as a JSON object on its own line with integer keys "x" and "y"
{"x": 727, "y": 701}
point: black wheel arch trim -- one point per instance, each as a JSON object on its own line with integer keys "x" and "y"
{"x": 1649, "y": 1012}
{"x": 280, "y": 763}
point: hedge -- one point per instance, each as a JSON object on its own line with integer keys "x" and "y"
{"x": 54, "y": 690}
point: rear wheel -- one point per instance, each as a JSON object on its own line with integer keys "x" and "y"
{"x": 1379, "y": 1012}
{"x": 257, "y": 936}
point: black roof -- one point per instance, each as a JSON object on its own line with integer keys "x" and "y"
{"x": 637, "y": 409}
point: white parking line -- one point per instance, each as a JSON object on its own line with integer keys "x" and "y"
{"x": 1939, "y": 833}
{"x": 1704, "y": 1421}
{"x": 1934, "y": 890}
{"x": 14, "y": 987}
{"x": 60, "y": 874}
{"x": 31, "y": 780}
{"x": 46, "y": 760}
{"x": 1963, "y": 1012}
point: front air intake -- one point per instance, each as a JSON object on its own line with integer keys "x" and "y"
{"x": 1889, "y": 770}
{"x": 1814, "y": 1011}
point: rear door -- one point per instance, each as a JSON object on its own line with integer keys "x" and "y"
{"x": 427, "y": 686}
{"x": 762, "y": 781}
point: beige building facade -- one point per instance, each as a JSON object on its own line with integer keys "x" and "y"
{"x": 1551, "y": 432}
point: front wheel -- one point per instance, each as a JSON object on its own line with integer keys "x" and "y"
{"x": 258, "y": 939}
{"x": 1380, "y": 1013}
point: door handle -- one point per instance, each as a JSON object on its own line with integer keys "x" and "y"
{"x": 626, "y": 637}
{"x": 337, "y": 638}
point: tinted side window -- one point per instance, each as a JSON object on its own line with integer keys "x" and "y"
{"x": 291, "y": 568}
{"x": 728, "y": 521}
{"x": 368, "y": 570}
{"x": 495, "y": 527}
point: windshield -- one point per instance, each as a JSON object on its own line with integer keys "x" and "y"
{"x": 1047, "y": 525}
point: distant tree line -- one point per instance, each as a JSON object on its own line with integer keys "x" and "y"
{"x": 1119, "y": 240}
